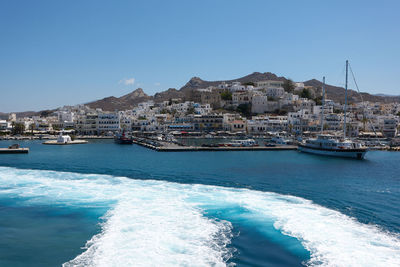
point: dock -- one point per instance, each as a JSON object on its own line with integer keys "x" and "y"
{"x": 14, "y": 150}
{"x": 75, "y": 142}
{"x": 162, "y": 146}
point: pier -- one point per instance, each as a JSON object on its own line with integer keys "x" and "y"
{"x": 14, "y": 150}
{"x": 74, "y": 142}
{"x": 162, "y": 146}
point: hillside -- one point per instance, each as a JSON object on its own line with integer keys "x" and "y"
{"x": 196, "y": 83}
{"x": 132, "y": 99}
{"x": 336, "y": 94}
{"x": 127, "y": 101}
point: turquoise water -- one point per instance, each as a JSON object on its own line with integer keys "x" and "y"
{"x": 103, "y": 204}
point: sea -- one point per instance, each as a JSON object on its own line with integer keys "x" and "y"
{"x": 104, "y": 204}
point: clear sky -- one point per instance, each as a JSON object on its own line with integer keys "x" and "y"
{"x": 70, "y": 52}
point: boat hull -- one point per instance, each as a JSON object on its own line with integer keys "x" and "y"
{"x": 349, "y": 153}
{"x": 123, "y": 141}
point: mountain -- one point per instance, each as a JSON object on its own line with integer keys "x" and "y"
{"x": 132, "y": 99}
{"x": 196, "y": 83}
{"x": 336, "y": 94}
{"x": 127, "y": 101}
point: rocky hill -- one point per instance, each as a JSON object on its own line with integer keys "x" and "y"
{"x": 127, "y": 101}
{"x": 131, "y": 100}
{"x": 336, "y": 94}
{"x": 197, "y": 83}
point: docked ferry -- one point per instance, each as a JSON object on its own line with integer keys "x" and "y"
{"x": 329, "y": 145}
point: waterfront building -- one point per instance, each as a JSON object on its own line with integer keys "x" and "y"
{"x": 3, "y": 125}
{"x": 87, "y": 124}
{"x": 108, "y": 122}
{"x": 208, "y": 123}
{"x": 389, "y": 128}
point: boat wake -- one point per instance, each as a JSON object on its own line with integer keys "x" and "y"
{"x": 163, "y": 223}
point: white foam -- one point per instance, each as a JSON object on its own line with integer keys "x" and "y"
{"x": 153, "y": 223}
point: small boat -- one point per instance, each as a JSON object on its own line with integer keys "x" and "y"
{"x": 123, "y": 139}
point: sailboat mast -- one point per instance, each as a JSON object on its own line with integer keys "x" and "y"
{"x": 345, "y": 99}
{"x": 323, "y": 105}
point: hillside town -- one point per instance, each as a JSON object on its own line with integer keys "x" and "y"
{"x": 253, "y": 108}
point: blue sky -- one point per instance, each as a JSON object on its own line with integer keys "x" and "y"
{"x": 70, "y": 52}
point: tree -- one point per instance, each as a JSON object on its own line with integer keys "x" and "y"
{"x": 45, "y": 113}
{"x": 318, "y": 100}
{"x": 31, "y": 127}
{"x": 244, "y": 109}
{"x": 18, "y": 128}
{"x": 305, "y": 93}
{"x": 249, "y": 83}
{"x": 281, "y": 112}
{"x": 226, "y": 95}
{"x": 190, "y": 110}
{"x": 288, "y": 85}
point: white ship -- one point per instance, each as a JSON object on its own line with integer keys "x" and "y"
{"x": 330, "y": 145}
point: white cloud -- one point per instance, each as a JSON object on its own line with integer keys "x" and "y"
{"x": 127, "y": 81}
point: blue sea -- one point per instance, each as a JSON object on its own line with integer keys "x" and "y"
{"x": 103, "y": 204}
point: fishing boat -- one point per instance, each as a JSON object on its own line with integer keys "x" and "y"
{"x": 330, "y": 145}
{"x": 123, "y": 139}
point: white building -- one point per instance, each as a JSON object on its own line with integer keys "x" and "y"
{"x": 237, "y": 86}
{"x": 3, "y": 125}
{"x": 274, "y": 92}
{"x": 259, "y": 104}
{"x": 108, "y": 122}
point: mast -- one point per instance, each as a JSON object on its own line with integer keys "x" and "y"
{"x": 323, "y": 105}
{"x": 345, "y": 99}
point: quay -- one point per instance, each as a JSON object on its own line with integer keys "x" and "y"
{"x": 197, "y": 148}
{"x": 14, "y": 150}
{"x": 162, "y": 146}
{"x": 74, "y": 142}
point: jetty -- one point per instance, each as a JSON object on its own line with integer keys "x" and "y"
{"x": 14, "y": 149}
{"x": 74, "y": 142}
{"x": 163, "y": 146}
{"x": 64, "y": 140}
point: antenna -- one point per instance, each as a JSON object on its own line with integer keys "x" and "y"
{"x": 323, "y": 104}
{"x": 345, "y": 99}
